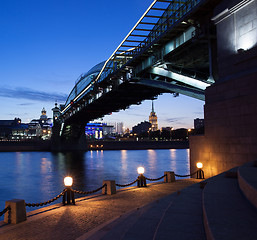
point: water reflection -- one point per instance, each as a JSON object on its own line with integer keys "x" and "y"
{"x": 124, "y": 163}
{"x": 173, "y": 164}
{"x": 38, "y": 176}
{"x": 152, "y": 159}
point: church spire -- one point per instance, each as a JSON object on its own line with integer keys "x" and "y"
{"x": 153, "y": 119}
{"x": 152, "y": 107}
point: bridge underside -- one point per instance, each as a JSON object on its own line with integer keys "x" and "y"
{"x": 190, "y": 61}
{"x": 120, "y": 98}
{"x": 181, "y": 62}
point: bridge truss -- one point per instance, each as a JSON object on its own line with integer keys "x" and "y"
{"x": 166, "y": 51}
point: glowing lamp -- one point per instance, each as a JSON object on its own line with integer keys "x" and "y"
{"x": 199, "y": 165}
{"x": 68, "y": 181}
{"x": 140, "y": 170}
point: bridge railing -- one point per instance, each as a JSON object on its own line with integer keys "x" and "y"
{"x": 174, "y": 13}
{"x": 164, "y": 25}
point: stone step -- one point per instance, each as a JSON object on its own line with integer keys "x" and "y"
{"x": 227, "y": 213}
{"x": 247, "y": 180}
{"x": 177, "y": 216}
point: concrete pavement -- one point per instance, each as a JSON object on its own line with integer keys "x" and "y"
{"x": 91, "y": 213}
{"x": 223, "y": 209}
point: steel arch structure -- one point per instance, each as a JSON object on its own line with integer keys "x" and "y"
{"x": 166, "y": 51}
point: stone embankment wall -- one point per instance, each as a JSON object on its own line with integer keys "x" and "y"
{"x": 231, "y": 103}
{"x": 16, "y": 146}
{"x": 136, "y": 145}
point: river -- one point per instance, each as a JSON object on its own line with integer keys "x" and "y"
{"x": 38, "y": 176}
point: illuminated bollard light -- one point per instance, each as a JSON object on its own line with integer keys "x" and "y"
{"x": 110, "y": 187}
{"x": 169, "y": 177}
{"x": 17, "y": 213}
{"x": 141, "y": 180}
{"x": 69, "y": 194}
{"x": 200, "y": 172}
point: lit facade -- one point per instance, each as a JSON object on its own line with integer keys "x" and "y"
{"x": 153, "y": 119}
{"x": 98, "y": 130}
{"x": 40, "y": 128}
{"x": 119, "y": 128}
{"x": 13, "y": 129}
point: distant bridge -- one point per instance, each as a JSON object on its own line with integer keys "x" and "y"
{"x": 171, "y": 49}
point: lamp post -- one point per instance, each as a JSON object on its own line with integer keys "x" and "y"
{"x": 69, "y": 194}
{"x": 200, "y": 172}
{"x": 141, "y": 180}
{"x": 188, "y": 132}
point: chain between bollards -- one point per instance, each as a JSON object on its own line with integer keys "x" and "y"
{"x": 126, "y": 185}
{"x": 156, "y": 179}
{"x": 47, "y": 202}
{"x": 140, "y": 182}
{"x": 200, "y": 174}
{"x": 89, "y": 192}
{"x": 149, "y": 179}
{"x": 5, "y": 210}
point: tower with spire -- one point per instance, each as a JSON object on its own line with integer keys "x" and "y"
{"x": 43, "y": 114}
{"x": 153, "y": 119}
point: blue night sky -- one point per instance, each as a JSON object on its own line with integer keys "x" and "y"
{"x": 45, "y": 45}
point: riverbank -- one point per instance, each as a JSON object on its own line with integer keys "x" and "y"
{"x": 24, "y": 146}
{"x": 45, "y": 145}
{"x": 137, "y": 145}
{"x": 89, "y": 214}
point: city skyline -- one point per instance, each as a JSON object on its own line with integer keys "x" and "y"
{"x": 46, "y": 46}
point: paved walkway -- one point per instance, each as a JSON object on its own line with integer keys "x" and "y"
{"x": 91, "y": 214}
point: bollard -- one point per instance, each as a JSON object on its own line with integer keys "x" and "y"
{"x": 68, "y": 194}
{"x": 17, "y": 213}
{"x": 68, "y": 197}
{"x": 141, "y": 181}
{"x": 169, "y": 177}
{"x": 200, "y": 174}
{"x": 110, "y": 187}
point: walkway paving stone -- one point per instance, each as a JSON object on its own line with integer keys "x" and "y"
{"x": 75, "y": 222}
{"x": 177, "y": 216}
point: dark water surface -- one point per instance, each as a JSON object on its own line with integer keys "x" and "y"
{"x": 38, "y": 176}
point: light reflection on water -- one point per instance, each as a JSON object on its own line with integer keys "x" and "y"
{"x": 38, "y": 176}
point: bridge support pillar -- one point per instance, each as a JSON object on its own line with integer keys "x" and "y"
{"x": 230, "y": 127}
{"x": 74, "y": 140}
{"x": 230, "y": 111}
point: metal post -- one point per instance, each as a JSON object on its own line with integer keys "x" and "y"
{"x": 69, "y": 195}
{"x": 141, "y": 182}
{"x": 200, "y": 174}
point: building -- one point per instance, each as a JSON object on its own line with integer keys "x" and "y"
{"x": 56, "y": 112}
{"x": 198, "y": 123}
{"x": 13, "y": 129}
{"x": 16, "y": 130}
{"x": 40, "y": 128}
{"x": 120, "y": 128}
{"x": 168, "y": 129}
{"x": 153, "y": 119}
{"x": 141, "y": 127}
{"x": 98, "y": 130}
{"x": 94, "y": 130}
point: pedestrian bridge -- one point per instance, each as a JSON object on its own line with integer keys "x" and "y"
{"x": 169, "y": 50}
